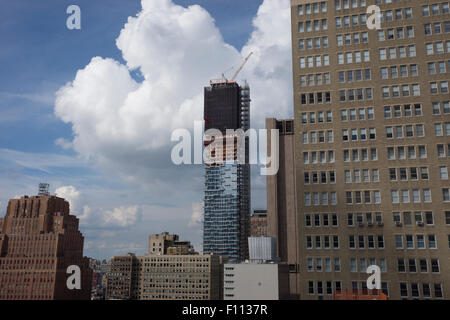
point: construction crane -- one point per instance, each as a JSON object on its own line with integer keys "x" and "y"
{"x": 225, "y": 80}
{"x": 241, "y": 66}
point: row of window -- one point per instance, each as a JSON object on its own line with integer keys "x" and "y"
{"x": 406, "y": 218}
{"x": 364, "y": 176}
{"x": 351, "y": 21}
{"x": 409, "y": 174}
{"x": 322, "y": 220}
{"x": 313, "y": 43}
{"x": 442, "y": 128}
{"x": 312, "y": 8}
{"x": 435, "y": 9}
{"x": 322, "y": 177}
{"x": 408, "y": 240}
{"x": 318, "y": 137}
{"x": 354, "y": 75}
{"x": 364, "y": 263}
{"x": 398, "y": 33}
{"x": 438, "y": 67}
{"x": 363, "y": 154}
{"x": 315, "y": 157}
{"x": 397, "y": 14}
{"x": 347, "y": 4}
{"x": 363, "y": 197}
{"x": 356, "y": 94}
{"x": 393, "y": 72}
{"x": 353, "y": 57}
{"x": 400, "y": 52}
{"x": 358, "y": 114}
{"x": 404, "y": 196}
{"x": 322, "y": 242}
{"x": 361, "y": 134}
{"x": 317, "y": 288}
{"x": 360, "y": 220}
{"x": 441, "y": 151}
{"x": 352, "y": 39}
{"x": 437, "y": 47}
{"x": 426, "y": 290}
{"x": 418, "y": 265}
{"x": 439, "y": 88}
{"x": 355, "y": 155}
{"x": 319, "y": 199}
{"x": 405, "y": 90}
{"x": 319, "y": 117}
{"x": 406, "y": 110}
{"x": 405, "y": 131}
{"x": 400, "y": 152}
{"x": 314, "y": 61}
{"x": 361, "y": 241}
{"x": 436, "y": 28}
{"x": 315, "y": 97}
{"x": 324, "y": 264}
{"x": 312, "y": 25}
{"x": 441, "y": 108}
{"x": 317, "y": 79}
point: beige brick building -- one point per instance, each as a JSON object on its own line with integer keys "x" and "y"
{"x": 171, "y": 271}
{"x": 372, "y": 147}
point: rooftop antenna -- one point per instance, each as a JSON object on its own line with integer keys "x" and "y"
{"x": 43, "y": 189}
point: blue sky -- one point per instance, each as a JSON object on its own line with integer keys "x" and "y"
{"x": 38, "y": 56}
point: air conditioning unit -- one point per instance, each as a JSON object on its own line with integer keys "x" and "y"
{"x": 420, "y": 223}
{"x": 398, "y": 223}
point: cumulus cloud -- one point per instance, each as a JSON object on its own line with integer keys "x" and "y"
{"x": 125, "y": 125}
{"x": 71, "y": 195}
{"x": 197, "y": 215}
{"x": 123, "y": 216}
{"x": 101, "y": 218}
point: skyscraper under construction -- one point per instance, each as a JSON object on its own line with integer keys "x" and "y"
{"x": 227, "y": 183}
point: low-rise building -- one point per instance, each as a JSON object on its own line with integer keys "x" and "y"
{"x": 171, "y": 271}
{"x": 256, "y": 281}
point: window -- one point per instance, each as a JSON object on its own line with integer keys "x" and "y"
{"x": 432, "y": 241}
{"x": 446, "y": 195}
{"x": 398, "y": 241}
{"x": 438, "y": 290}
{"x": 443, "y": 172}
{"x": 403, "y": 289}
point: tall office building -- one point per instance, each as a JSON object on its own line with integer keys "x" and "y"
{"x": 39, "y": 240}
{"x": 372, "y": 127}
{"x": 227, "y": 183}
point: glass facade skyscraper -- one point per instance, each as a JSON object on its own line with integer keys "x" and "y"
{"x": 227, "y": 183}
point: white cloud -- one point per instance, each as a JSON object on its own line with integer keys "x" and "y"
{"x": 71, "y": 195}
{"x": 197, "y": 215}
{"x": 63, "y": 143}
{"x": 118, "y": 217}
{"x": 125, "y": 125}
{"x": 122, "y": 216}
